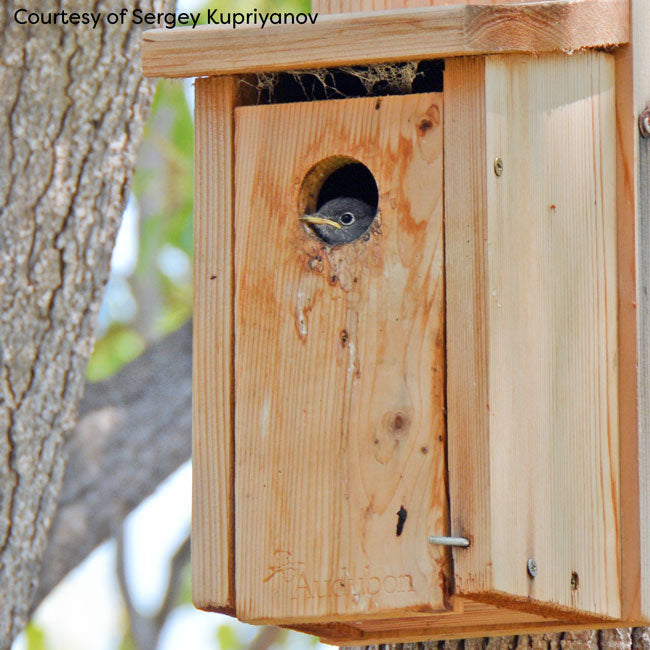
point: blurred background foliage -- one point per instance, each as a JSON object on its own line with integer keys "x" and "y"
{"x": 150, "y": 290}
{"x": 153, "y": 296}
{"x": 149, "y": 295}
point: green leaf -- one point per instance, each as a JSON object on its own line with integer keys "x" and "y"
{"x": 35, "y": 637}
{"x": 117, "y": 347}
{"x": 227, "y": 638}
{"x": 185, "y": 592}
{"x": 127, "y": 642}
{"x": 262, "y": 6}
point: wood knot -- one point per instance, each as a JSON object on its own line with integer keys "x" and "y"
{"x": 430, "y": 120}
{"x": 424, "y": 125}
{"x": 397, "y": 423}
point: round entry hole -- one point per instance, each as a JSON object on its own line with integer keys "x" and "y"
{"x": 338, "y": 200}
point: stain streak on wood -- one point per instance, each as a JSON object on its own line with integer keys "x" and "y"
{"x": 339, "y": 369}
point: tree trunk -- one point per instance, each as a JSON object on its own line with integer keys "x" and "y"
{"x": 617, "y": 639}
{"x": 134, "y": 430}
{"x": 72, "y": 107}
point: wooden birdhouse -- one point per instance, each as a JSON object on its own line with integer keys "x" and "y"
{"x": 440, "y": 426}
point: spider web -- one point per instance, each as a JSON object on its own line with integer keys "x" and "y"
{"x": 346, "y": 82}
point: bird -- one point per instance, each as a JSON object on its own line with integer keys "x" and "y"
{"x": 341, "y": 220}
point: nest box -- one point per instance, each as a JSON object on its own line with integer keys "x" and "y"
{"x": 439, "y": 428}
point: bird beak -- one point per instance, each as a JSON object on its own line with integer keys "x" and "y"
{"x": 310, "y": 218}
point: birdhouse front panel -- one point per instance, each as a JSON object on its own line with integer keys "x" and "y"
{"x": 340, "y": 474}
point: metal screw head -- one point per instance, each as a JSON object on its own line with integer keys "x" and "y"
{"x": 532, "y": 567}
{"x": 498, "y": 166}
{"x": 462, "y": 542}
{"x": 644, "y": 123}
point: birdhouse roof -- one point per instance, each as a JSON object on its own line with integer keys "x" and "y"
{"x": 385, "y": 36}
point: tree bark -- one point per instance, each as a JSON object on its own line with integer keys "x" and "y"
{"x": 72, "y": 107}
{"x": 134, "y": 430}
{"x": 616, "y": 639}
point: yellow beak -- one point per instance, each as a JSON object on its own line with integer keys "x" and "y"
{"x": 309, "y": 218}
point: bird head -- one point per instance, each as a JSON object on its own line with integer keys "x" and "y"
{"x": 341, "y": 220}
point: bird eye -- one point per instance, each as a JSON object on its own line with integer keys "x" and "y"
{"x": 347, "y": 219}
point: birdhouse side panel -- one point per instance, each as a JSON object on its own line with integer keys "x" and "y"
{"x": 213, "y": 534}
{"x": 339, "y": 368}
{"x": 546, "y": 403}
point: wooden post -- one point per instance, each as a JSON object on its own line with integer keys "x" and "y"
{"x": 633, "y": 182}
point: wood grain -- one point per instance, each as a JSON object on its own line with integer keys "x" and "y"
{"x": 643, "y": 346}
{"x": 339, "y": 369}
{"x": 346, "y": 6}
{"x": 551, "y": 243}
{"x": 442, "y": 631}
{"x": 472, "y": 621}
{"x": 467, "y": 324}
{"x": 540, "y": 303}
{"x": 397, "y": 35}
{"x": 212, "y": 379}
{"x": 632, "y": 97}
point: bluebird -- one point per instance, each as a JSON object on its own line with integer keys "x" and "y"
{"x": 341, "y": 221}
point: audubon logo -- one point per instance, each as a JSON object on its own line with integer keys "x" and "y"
{"x": 301, "y": 585}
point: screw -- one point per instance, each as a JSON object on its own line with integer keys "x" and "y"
{"x": 644, "y": 123}
{"x": 463, "y": 542}
{"x": 532, "y": 567}
{"x": 498, "y": 166}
